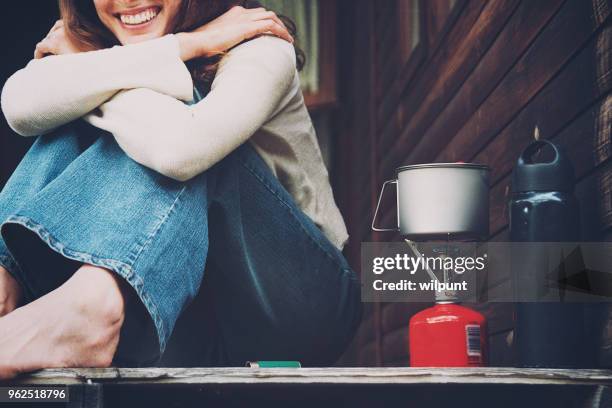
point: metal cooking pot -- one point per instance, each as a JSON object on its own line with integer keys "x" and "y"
{"x": 441, "y": 201}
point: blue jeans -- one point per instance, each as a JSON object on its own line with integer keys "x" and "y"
{"x": 227, "y": 254}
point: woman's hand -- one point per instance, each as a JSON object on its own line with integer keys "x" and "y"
{"x": 231, "y": 28}
{"x": 58, "y": 42}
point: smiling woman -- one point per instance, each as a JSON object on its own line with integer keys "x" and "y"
{"x": 109, "y": 223}
{"x": 104, "y": 23}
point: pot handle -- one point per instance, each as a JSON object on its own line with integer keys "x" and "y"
{"x": 382, "y": 192}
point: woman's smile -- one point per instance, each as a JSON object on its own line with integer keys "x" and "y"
{"x": 136, "y": 21}
{"x": 139, "y": 17}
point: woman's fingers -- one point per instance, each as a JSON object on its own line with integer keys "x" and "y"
{"x": 58, "y": 24}
{"x": 261, "y": 13}
{"x": 255, "y": 10}
{"x": 44, "y": 48}
{"x": 37, "y": 53}
{"x": 229, "y": 29}
{"x": 269, "y": 27}
{"x": 268, "y": 15}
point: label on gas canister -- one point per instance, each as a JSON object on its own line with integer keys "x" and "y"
{"x": 472, "y": 336}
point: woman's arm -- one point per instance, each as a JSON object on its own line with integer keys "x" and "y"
{"x": 53, "y": 90}
{"x": 181, "y": 141}
{"x": 57, "y": 89}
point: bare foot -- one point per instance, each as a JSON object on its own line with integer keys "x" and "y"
{"x": 10, "y": 292}
{"x": 76, "y": 325}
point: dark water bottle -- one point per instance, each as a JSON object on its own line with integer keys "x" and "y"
{"x": 543, "y": 208}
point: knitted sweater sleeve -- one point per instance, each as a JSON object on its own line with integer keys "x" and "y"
{"x": 253, "y": 83}
{"x": 58, "y": 89}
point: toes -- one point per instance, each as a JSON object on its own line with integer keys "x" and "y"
{"x": 7, "y": 374}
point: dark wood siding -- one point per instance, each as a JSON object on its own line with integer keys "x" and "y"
{"x": 494, "y": 71}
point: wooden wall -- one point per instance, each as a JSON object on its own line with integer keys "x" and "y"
{"x": 484, "y": 75}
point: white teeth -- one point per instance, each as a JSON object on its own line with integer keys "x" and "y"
{"x": 142, "y": 17}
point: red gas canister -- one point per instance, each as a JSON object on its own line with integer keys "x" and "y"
{"x": 448, "y": 335}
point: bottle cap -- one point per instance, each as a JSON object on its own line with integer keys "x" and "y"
{"x": 554, "y": 175}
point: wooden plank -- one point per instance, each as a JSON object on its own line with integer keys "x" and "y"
{"x": 497, "y": 281}
{"x": 499, "y": 196}
{"x": 387, "y": 48}
{"x": 500, "y": 236}
{"x": 385, "y": 13}
{"x": 604, "y": 357}
{"x": 355, "y": 44}
{"x": 368, "y": 355}
{"x": 446, "y": 25}
{"x": 395, "y": 315}
{"x": 605, "y": 193}
{"x": 437, "y": 13}
{"x": 422, "y": 105}
{"x": 395, "y": 345}
{"x": 405, "y": 362}
{"x": 581, "y": 83}
{"x": 591, "y": 200}
{"x": 367, "y": 330}
{"x": 390, "y": 102}
{"x": 501, "y": 353}
{"x": 567, "y": 33}
{"x": 432, "y": 94}
{"x": 387, "y": 33}
{"x": 203, "y": 376}
{"x": 603, "y": 133}
{"x": 524, "y": 25}
{"x": 365, "y": 334}
{"x": 429, "y": 72}
{"x": 388, "y": 72}
{"x": 498, "y": 314}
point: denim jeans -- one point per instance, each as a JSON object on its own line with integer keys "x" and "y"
{"x": 228, "y": 254}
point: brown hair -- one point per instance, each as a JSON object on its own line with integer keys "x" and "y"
{"x": 83, "y": 25}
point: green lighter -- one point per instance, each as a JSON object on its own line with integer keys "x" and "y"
{"x": 273, "y": 364}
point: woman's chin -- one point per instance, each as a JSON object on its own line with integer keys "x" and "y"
{"x": 136, "y": 38}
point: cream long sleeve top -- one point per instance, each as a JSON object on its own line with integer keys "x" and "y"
{"x": 137, "y": 93}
